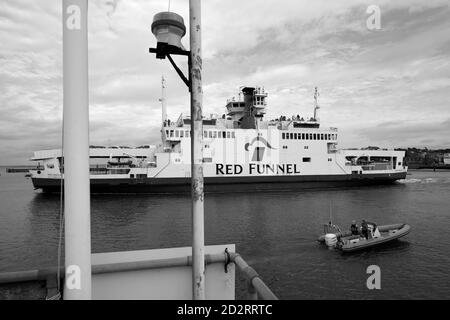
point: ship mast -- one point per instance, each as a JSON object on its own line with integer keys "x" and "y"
{"x": 316, "y": 105}
{"x": 163, "y": 99}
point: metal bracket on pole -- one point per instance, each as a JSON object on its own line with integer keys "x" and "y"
{"x": 162, "y": 51}
{"x": 180, "y": 73}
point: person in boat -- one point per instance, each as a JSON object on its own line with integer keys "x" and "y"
{"x": 365, "y": 229}
{"x": 354, "y": 228}
{"x": 332, "y": 227}
{"x": 373, "y": 229}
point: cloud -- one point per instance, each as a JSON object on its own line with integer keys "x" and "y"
{"x": 410, "y": 133}
{"x": 375, "y": 85}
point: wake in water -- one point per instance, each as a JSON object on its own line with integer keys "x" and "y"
{"x": 425, "y": 180}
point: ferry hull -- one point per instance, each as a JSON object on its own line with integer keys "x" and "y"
{"x": 225, "y": 184}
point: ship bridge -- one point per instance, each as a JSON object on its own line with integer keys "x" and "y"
{"x": 250, "y": 102}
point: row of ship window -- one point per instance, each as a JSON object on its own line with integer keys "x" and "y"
{"x": 178, "y": 133}
{"x": 231, "y": 135}
{"x": 206, "y": 134}
{"x": 308, "y": 136}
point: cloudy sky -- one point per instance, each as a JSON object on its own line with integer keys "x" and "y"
{"x": 387, "y": 87}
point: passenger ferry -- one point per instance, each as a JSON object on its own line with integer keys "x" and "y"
{"x": 241, "y": 151}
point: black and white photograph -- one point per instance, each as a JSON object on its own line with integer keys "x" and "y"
{"x": 240, "y": 152}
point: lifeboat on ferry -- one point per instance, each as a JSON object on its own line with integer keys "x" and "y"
{"x": 345, "y": 241}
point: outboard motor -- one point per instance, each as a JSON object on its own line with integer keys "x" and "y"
{"x": 331, "y": 240}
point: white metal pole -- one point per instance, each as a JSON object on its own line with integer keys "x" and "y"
{"x": 76, "y": 151}
{"x": 198, "y": 234}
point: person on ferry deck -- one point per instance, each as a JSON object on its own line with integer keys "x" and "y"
{"x": 354, "y": 228}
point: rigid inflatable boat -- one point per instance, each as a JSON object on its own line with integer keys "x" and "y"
{"x": 347, "y": 242}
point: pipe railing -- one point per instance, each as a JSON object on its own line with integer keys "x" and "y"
{"x": 256, "y": 288}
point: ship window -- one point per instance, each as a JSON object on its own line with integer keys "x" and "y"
{"x": 177, "y": 134}
{"x": 210, "y": 134}
{"x": 224, "y": 134}
{"x": 228, "y": 134}
{"x": 306, "y": 159}
{"x": 291, "y": 135}
{"x": 181, "y": 133}
{"x": 167, "y": 133}
{"x": 287, "y": 135}
{"x": 303, "y": 136}
{"x": 214, "y": 134}
{"x": 321, "y": 136}
{"x": 232, "y": 134}
{"x": 295, "y": 136}
{"x": 187, "y": 134}
{"x": 283, "y": 136}
{"x": 314, "y": 137}
{"x": 205, "y": 134}
{"x": 171, "y": 133}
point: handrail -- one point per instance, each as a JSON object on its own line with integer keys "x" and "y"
{"x": 162, "y": 169}
{"x": 252, "y": 276}
{"x": 339, "y": 165}
{"x": 257, "y": 288}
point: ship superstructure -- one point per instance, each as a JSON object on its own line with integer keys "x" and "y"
{"x": 240, "y": 149}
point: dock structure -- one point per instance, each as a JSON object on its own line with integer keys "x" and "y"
{"x": 145, "y": 274}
